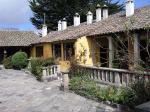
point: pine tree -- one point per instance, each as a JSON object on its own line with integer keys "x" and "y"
{"x": 55, "y": 10}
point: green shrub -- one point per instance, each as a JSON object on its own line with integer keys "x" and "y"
{"x": 142, "y": 91}
{"x": 84, "y": 87}
{"x": 107, "y": 93}
{"x": 88, "y": 88}
{"x": 19, "y": 60}
{"x": 36, "y": 68}
{"x": 48, "y": 62}
{"x": 125, "y": 96}
{"x": 75, "y": 83}
{"x": 7, "y": 63}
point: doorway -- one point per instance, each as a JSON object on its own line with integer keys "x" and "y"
{"x": 104, "y": 57}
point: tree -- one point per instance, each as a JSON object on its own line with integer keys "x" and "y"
{"x": 55, "y": 10}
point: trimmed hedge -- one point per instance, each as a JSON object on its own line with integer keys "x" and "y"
{"x": 19, "y": 60}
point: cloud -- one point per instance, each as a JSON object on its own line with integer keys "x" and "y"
{"x": 14, "y": 12}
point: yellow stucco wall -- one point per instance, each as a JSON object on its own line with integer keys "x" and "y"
{"x": 84, "y": 49}
{"x": 86, "y": 52}
{"x": 47, "y": 50}
{"x": 33, "y": 51}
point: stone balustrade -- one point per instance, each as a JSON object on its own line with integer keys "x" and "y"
{"x": 51, "y": 72}
{"x": 110, "y": 76}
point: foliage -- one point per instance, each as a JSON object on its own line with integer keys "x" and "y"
{"x": 55, "y": 10}
{"x": 84, "y": 87}
{"x": 88, "y": 88}
{"x": 36, "y": 68}
{"x": 126, "y": 96}
{"x": 48, "y": 62}
{"x": 108, "y": 93}
{"x": 37, "y": 64}
{"x": 7, "y": 63}
{"x": 142, "y": 90}
{"x": 19, "y": 60}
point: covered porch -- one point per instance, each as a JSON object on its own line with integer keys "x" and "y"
{"x": 122, "y": 51}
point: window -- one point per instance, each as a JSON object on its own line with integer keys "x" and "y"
{"x": 68, "y": 50}
{"x": 39, "y": 51}
{"x": 57, "y": 51}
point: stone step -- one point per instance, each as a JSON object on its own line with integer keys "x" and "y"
{"x": 143, "y": 107}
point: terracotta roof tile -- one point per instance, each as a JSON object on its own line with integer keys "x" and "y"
{"x": 114, "y": 23}
{"x": 17, "y": 38}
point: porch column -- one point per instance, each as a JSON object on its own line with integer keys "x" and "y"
{"x": 62, "y": 52}
{"x": 136, "y": 50}
{"x": 133, "y": 51}
{"x": 111, "y": 52}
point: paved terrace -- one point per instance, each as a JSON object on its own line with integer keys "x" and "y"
{"x": 20, "y": 92}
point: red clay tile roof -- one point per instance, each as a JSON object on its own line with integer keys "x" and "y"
{"x": 115, "y": 23}
{"x": 17, "y": 38}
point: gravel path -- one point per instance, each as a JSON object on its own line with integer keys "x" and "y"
{"x": 20, "y": 92}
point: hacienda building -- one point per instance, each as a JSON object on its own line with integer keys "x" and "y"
{"x": 92, "y": 43}
{"x": 97, "y": 42}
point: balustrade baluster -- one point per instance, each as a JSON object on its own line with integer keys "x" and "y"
{"x": 44, "y": 72}
{"x": 121, "y": 78}
{"x": 92, "y": 73}
{"x": 106, "y": 76}
{"x": 103, "y": 76}
{"x": 111, "y": 76}
{"x": 117, "y": 79}
{"x": 100, "y": 74}
{"x": 124, "y": 79}
{"x": 54, "y": 68}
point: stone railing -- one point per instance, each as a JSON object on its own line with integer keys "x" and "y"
{"x": 110, "y": 76}
{"x": 51, "y": 72}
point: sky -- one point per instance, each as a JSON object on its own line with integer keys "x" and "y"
{"x": 17, "y": 13}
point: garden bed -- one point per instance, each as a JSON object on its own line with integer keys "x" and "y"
{"x": 121, "y": 98}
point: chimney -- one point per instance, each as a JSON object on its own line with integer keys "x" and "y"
{"x": 76, "y": 19}
{"x": 59, "y": 25}
{"x": 44, "y": 30}
{"x": 89, "y": 17}
{"x": 129, "y": 8}
{"x": 64, "y": 24}
{"x": 105, "y": 12}
{"x": 98, "y": 13}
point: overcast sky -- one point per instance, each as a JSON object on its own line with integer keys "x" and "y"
{"x": 16, "y": 13}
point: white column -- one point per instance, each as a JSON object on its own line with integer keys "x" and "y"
{"x": 59, "y": 25}
{"x": 76, "y": 19}
{"x": 44, "y": 30}
{"x": 89, "y": 17}
{"x": 64, "y": 24}
{"x": 105, "y": 12}
{"x": 98, "y": 13}
{"x": 111, "y": 51}
{"x": 136, "y": 49}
